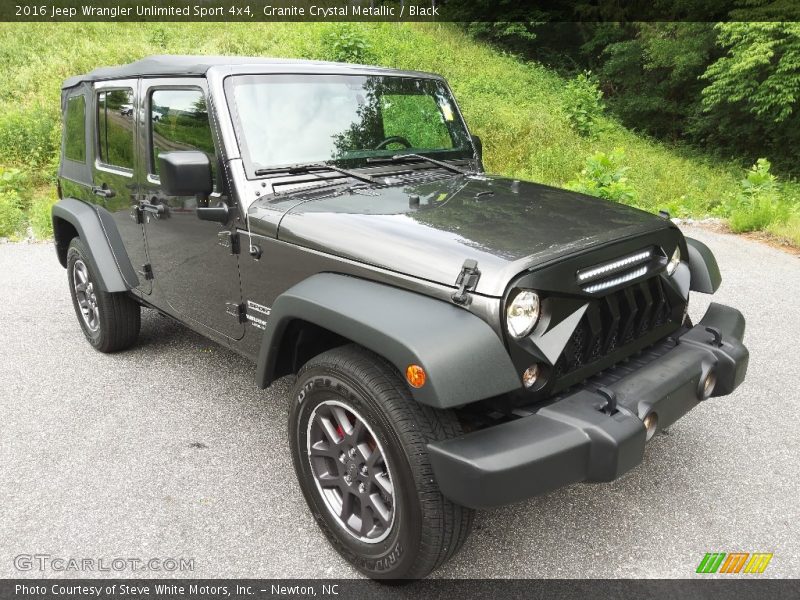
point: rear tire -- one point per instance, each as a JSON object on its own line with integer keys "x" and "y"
{"x": 392, "y": 521}
{"x": 110, "y": 321}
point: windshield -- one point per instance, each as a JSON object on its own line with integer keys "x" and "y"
{"x": 286, "y": 120}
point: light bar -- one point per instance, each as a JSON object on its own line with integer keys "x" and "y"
{"x": 612, "y": 282}
{"x": 614, "y": 266}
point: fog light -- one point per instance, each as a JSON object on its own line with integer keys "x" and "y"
{"x": 415, "y": 376}
{"x": 530, "y": 375}
{"x": 650, "y": 424}
{"x": 707, "y": 386}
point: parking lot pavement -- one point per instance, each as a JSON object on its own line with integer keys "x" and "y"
{"x": 169, "y": 450}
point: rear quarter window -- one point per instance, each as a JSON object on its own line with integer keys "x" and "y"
{"x": 115, "y": 120}
{"x": 74, "y": 129}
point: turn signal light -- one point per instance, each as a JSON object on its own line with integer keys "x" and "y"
{"x": 530, "y": 375}
{"x": 650, "y": 425}
{"x": 415, "y": 376}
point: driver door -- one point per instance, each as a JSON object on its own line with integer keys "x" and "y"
{"x": 193, "y": 273}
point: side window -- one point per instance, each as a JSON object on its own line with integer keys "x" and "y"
{"x": 418, "y": 118}
{"x": 75, "y": 129}
{"x": 179, "y": 121}
{"x": 115, "y": 128}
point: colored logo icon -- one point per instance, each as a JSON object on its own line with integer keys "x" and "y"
{"x": 734, "y": 562}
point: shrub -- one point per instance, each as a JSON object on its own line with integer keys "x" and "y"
{"x": 605, "y": 177}
{"x": 13, "y": 180}
{"x": 12, "y": 216}
{"x": 159, "y": 38}
{"x": 347, "y": 43}
{"x": 40, "y": 217}
{"x": 583, "y": 104}
{"x": 28, "y": 137}
{"x": 758, "y": 203}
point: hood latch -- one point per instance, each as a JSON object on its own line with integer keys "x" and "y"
{"x": 467, "y": 281}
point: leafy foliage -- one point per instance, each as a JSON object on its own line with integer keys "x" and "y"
{"x": 761, "y": 69}
{"x": 605, "y": 176}
{"x": 514, "y": 105}
{"x": 758, "y": 205}
{"x": 28, "y": 137}
{"x": 652, "y": 71}
{"x": 11, "y": 214}
{"x": 731, "y": 88}
{"x": 12, "y": 180}
{"x": 346, "y": 43}
{"x": 583, "y": 104}
{"x": 39, "y": 214}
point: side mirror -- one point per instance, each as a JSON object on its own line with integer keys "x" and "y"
{"x": 476, "y": 141}
{"x": 185, "y": 173}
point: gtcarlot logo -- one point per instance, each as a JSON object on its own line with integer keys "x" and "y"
{"x": 734, "y": 562}
{"x": 61, "y": 564}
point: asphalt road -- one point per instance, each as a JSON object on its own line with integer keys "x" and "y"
{"x": 169, "y": 450}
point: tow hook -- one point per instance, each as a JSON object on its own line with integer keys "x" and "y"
{"x": 717, "y": 341}
{"x": 610, "y": 407}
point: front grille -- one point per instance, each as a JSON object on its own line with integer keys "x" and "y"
{"x": 613, "y": 322}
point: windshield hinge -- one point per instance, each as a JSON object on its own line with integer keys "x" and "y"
{"x": 229, "y": 239}
{"x": 236, "y": 310}
{"x": 146, "y": 272}
{"x": 467, "y": 281}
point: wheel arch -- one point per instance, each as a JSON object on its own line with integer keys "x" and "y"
{"x": 300, "y": 341}
{"x": 706, "y": 277}
{"x": 95, "y": 226}
{"x": 463, "y": 358}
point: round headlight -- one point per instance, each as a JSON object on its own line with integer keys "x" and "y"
{"x": 522, "y": 313}
{"x": 674, "y": 261}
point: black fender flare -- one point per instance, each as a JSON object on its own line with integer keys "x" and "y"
{"x": 706, "y": 277}
{"x": 96, "y": 227}
{"x": 463, "y": 357}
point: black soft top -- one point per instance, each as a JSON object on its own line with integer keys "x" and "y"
{"x": 188, "y": 66}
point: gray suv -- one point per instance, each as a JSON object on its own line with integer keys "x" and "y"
{"x": 458, "y": 340}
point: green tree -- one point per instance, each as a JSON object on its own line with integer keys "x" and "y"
{"x": 652, "y": 74}
{"x": 761, "y": 69}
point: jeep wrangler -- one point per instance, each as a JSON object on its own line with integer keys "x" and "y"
{"x": 458, "y": 340}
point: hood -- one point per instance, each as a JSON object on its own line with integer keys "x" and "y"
{"x": 428, "y": 230}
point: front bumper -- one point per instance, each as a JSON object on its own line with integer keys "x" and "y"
{"x": 573, "y": 439}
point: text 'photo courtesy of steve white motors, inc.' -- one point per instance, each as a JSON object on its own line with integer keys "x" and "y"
{"x": 398, "y": 299}
{"x": 168, "y": 589}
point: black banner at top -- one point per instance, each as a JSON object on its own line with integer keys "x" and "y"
{"x": 400, "y": 10}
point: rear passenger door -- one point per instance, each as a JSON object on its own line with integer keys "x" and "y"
{"x": 113, "y": 171}
{"x": 193, "y": 272}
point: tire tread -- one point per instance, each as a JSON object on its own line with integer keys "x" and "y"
{"x": 120, "y": 315}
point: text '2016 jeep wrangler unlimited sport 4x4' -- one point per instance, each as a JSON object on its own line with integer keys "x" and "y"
{"x": 460, "y": 341}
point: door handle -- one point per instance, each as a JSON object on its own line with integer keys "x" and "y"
{"x": 156, "y": 209}
{"x": 103, "y": 191}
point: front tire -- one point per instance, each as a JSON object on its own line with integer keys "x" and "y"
{"x": 110, "y": 321}
{"x": 359, "y": 446}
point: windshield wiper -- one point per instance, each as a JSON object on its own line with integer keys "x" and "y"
{"x": 433, "y": 161}
{"x": 309, "y": 167}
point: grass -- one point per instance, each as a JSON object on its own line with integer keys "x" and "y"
{"x": 516, "y": 107}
